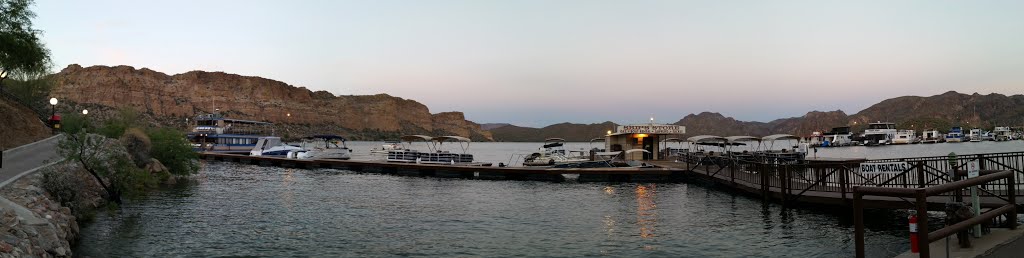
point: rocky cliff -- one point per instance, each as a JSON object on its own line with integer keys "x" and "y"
{"x": 163, "y": 97}
{"x": 20, "y": 125}
{"x": 909, "y": 112}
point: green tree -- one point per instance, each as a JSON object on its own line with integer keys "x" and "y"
{"x": 109, "y": 164}
{"x": 22, "y": 54}
{"x": 173, "y": 150}
{"x": 116, "y": 126}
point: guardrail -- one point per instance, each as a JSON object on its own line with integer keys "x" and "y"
{"x": 920, "y": 195}
{"x": 793, "y": 179}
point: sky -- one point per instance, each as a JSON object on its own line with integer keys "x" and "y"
{"x": 535, "y": 63}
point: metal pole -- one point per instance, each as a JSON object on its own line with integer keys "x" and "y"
{"x": 858, "y": 222}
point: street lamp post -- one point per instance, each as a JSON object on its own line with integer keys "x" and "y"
{"x": 3, "y": 76}
{"x": 53, "y": 112}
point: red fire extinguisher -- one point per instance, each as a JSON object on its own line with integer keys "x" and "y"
{"x": 913, "y": 233}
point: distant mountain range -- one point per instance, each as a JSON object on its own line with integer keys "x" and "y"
{"x": 909, "y": 112}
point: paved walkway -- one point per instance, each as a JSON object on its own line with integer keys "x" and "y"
{"x": 27, "y": 158}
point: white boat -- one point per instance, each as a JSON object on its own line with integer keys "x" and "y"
{"x": 974, "y": 135}
{"x": 323, "y": 147}
{"x": 904, "y": 137}
{"x": 1003, "y": 133}
{"x": 387, "y": 147}
{"x": 553, "y": 153}
{"x": 931, "y": 136}
{"x": 879, "y": 133}
{"x": 272, "y": 146}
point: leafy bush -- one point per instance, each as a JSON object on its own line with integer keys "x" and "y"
{"x": 138, "y": 145}
{"x": 62, "y": 185}
{"x": 172, "y": 149}
{"x": 116, "y": 126}
{"x": 73, "y": 123}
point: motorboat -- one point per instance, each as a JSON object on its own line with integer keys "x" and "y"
{"x": 612, "y": 159}
{"x": 323, "y": 147}
{"x": 273, "y": 146}
{"x": 1003, "y": 133}
{"x": 931, "y": 136}
{"x": 387, "y": 147}
{"x": 879, "y": 133}
{"x": 904, "y": 137}
{"x": 552, "y": 153}
{"x": 955, "y": 134}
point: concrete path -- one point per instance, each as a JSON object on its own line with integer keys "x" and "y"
{"x": 27, "y": 158}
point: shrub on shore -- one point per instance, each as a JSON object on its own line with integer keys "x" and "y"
{"x": 138, "y": 145}
{"x": 173, "y": 150}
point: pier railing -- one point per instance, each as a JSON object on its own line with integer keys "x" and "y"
{"x": 791, "y": 180}
{"x": 1005, "y": 178}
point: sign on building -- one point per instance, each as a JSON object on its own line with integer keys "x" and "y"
{"x": 652, "y": 129}
{"x": 886, "y": 167}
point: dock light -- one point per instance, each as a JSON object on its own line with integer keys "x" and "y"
{"x": 53, "y": 101}
{"x": 85, "y": 111}
{"x": 609, "y": 132}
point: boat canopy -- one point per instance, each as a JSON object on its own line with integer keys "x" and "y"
{"x": 607, "y": 153}
{"x": 598, "y": 139}
{"x": 631, "y": 151}
{"x": 673, "y": 140}
{"x": 326, "y": 137}
{"x": 706, "y": 138}
{"x": 776, "y": 137}
{"x": 742, "y": 138}
{"x": 416, "y": 137}
{"x": 451, "y": 138}
{"x": 554, "y": 140}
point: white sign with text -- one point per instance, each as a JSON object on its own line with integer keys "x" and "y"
{"x": 886, "y": 167}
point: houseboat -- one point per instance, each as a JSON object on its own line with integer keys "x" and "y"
{"x": 974, "y": 135}
{"x": 839, "y": 136}
{"x": 435, "y": 154}
{"x": 216, "y": 133}
{"x": 1003, "y": 133}
{"x": 905, "y": 137}
{"x": 879, "y": 133}
{"x": 955, "y": 134}
{"x": 931, "y": 136}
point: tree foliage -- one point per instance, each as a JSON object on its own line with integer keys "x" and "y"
{"x": 22, "y": 52}
{"x": 172, "y": 149}
{"x": 117, "y": 125}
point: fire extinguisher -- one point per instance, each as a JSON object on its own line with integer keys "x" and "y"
{"x": 913, "y": 233}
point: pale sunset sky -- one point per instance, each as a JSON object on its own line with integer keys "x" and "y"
{"x": 535, "y": 63}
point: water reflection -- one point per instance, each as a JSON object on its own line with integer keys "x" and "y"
{"x": 645, "y": 210}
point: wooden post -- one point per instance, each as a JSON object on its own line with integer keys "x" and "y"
{"x": 843, "y": 170}
{"x": 858, "y": 223}
{"x": 920, "y": 177}
{"x": 922, "y": 224}
{"x": 1011, "y": 189}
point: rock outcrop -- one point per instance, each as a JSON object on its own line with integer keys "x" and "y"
{"x": 19, "y": 125}
{"x": 174, "y": 97}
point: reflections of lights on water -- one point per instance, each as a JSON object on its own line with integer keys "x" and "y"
{"x": 645, "y": 210}
{"x": 609, "y": 190}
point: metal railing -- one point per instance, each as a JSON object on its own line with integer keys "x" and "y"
{"x": 1006, "y": 178}
{"x": 793, "y": 178}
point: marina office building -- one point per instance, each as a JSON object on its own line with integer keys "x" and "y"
{"x": 647, "y": 137}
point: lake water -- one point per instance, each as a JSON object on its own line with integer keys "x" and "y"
{"x": 244, "y": 210}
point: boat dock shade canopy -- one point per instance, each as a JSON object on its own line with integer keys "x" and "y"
{"x": 706, "y": 138}
{"x": 326, "y": 137}
{"x": 776, "y": 137}
{"x": 553, "y": 144}
{"x": 673, "y": 140}
{"x": 631, "y": 151}
{"x": 416, "y": 137}
{"x": 742, "y": 139}
{"x": 452, "y": 138}
{"x": 554, "y": 140}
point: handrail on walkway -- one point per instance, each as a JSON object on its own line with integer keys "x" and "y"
{"x": 921, "y": 203}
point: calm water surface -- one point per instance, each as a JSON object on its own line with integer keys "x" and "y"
{"x": 243, "y": 210}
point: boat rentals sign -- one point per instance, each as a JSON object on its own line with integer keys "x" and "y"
{"x": 884, "y": 167}
{"x": 652, "y": 129}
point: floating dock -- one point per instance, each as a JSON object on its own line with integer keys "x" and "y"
{"x": 475, "y": 171}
